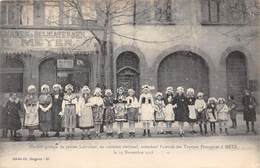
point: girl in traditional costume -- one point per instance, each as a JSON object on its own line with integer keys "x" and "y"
{"x": 31, "y": 105}
{"x": 45, "y": 104}
{"x": 222, "y": 114}
{"x": 56, "y": 120}
{"x": 201, "y": 109}
{"x": 132, "y": 111}
{"x": 120, "y": 110}
{"x": 211, "y": 114}
{"x": 181, "y": 110}
{"x": 98, "y": 110}
{"x": 146, "y": 109}
{"x": 109, "y": 112}
{"x": 192, "y": 112}
{"x": 69, "y": 104}
{"x": 84, "y": 111}
{"x": 169, "y": 109}
{"x": 159, "y": 109}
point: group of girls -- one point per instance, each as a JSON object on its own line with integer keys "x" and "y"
{"x": 58, "y": 111}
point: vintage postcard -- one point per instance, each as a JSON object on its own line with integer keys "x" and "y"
{"x": 129, "y": 83}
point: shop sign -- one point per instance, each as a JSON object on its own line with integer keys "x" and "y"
{"x": 22, "y": 39}
{"x": 65, "y": 63}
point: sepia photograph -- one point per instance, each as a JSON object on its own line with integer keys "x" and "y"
{"x": 129, "y": 83}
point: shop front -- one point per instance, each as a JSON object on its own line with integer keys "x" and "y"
{"x": 46, "y": 57}
{"x": 76, "y": 70}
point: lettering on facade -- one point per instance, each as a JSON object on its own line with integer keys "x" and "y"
{"x": 46, "y": 40}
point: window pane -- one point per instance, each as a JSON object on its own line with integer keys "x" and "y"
{"x": 51, "y": 13}
{"x": 26, "y": 13}
{"x": 162, "y": 10}
{"x": 88, "y": 9}
{"x": 12, "y": 16}
{"x": 70, "y": 15}
{"x": 144, "y": 11}
{"x": 3, "y": 13}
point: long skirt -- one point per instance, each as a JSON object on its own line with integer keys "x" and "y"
{"x": 98, "y": 114}
{"x": 120, "y": 112}
{"x": 169, "y": 113}
{"x": 132, "y": 114}
{"x": 250, "y": 115}
{"x": 45, "y": 120}
{"x": 86, "y": 118}
{"x": 147, "y": 112}
{"x": 31, "y": 120}
{"x": 14, "y": 122}
{"x": 70, "y": 116}
{"x": 109, "y": 115}
{"x": 56, "y": 119}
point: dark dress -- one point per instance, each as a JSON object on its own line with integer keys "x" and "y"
{"x": 182, "y": 110}
{"x": 12, "y": 109}
{"x": 4, "y": 117}
{"x": 109, "y": 116}
{"x": 249, "y": 104}
{"x": 56, "y": 119}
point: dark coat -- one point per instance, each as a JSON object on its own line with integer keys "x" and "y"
{"x": 56, "y": 119}
{"x": 12, "y": 109}
{"x": 249, "y": 103}
{"x": 182, "y": 110}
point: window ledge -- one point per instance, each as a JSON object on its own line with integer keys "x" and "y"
{"x": 156, "y": 23}
{"x": 222, "y": 24}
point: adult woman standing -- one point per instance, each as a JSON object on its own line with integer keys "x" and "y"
{"x": 249, "y": 103}
{"x": 45, "y": 104}
{"x": 56, "y": 120}
{"x": 13, "y": 107}
{"x": 31, "y": 105}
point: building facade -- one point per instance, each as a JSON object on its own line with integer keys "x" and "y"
{"x": 205, "y": 44}
{"x": 208, "y": 45}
